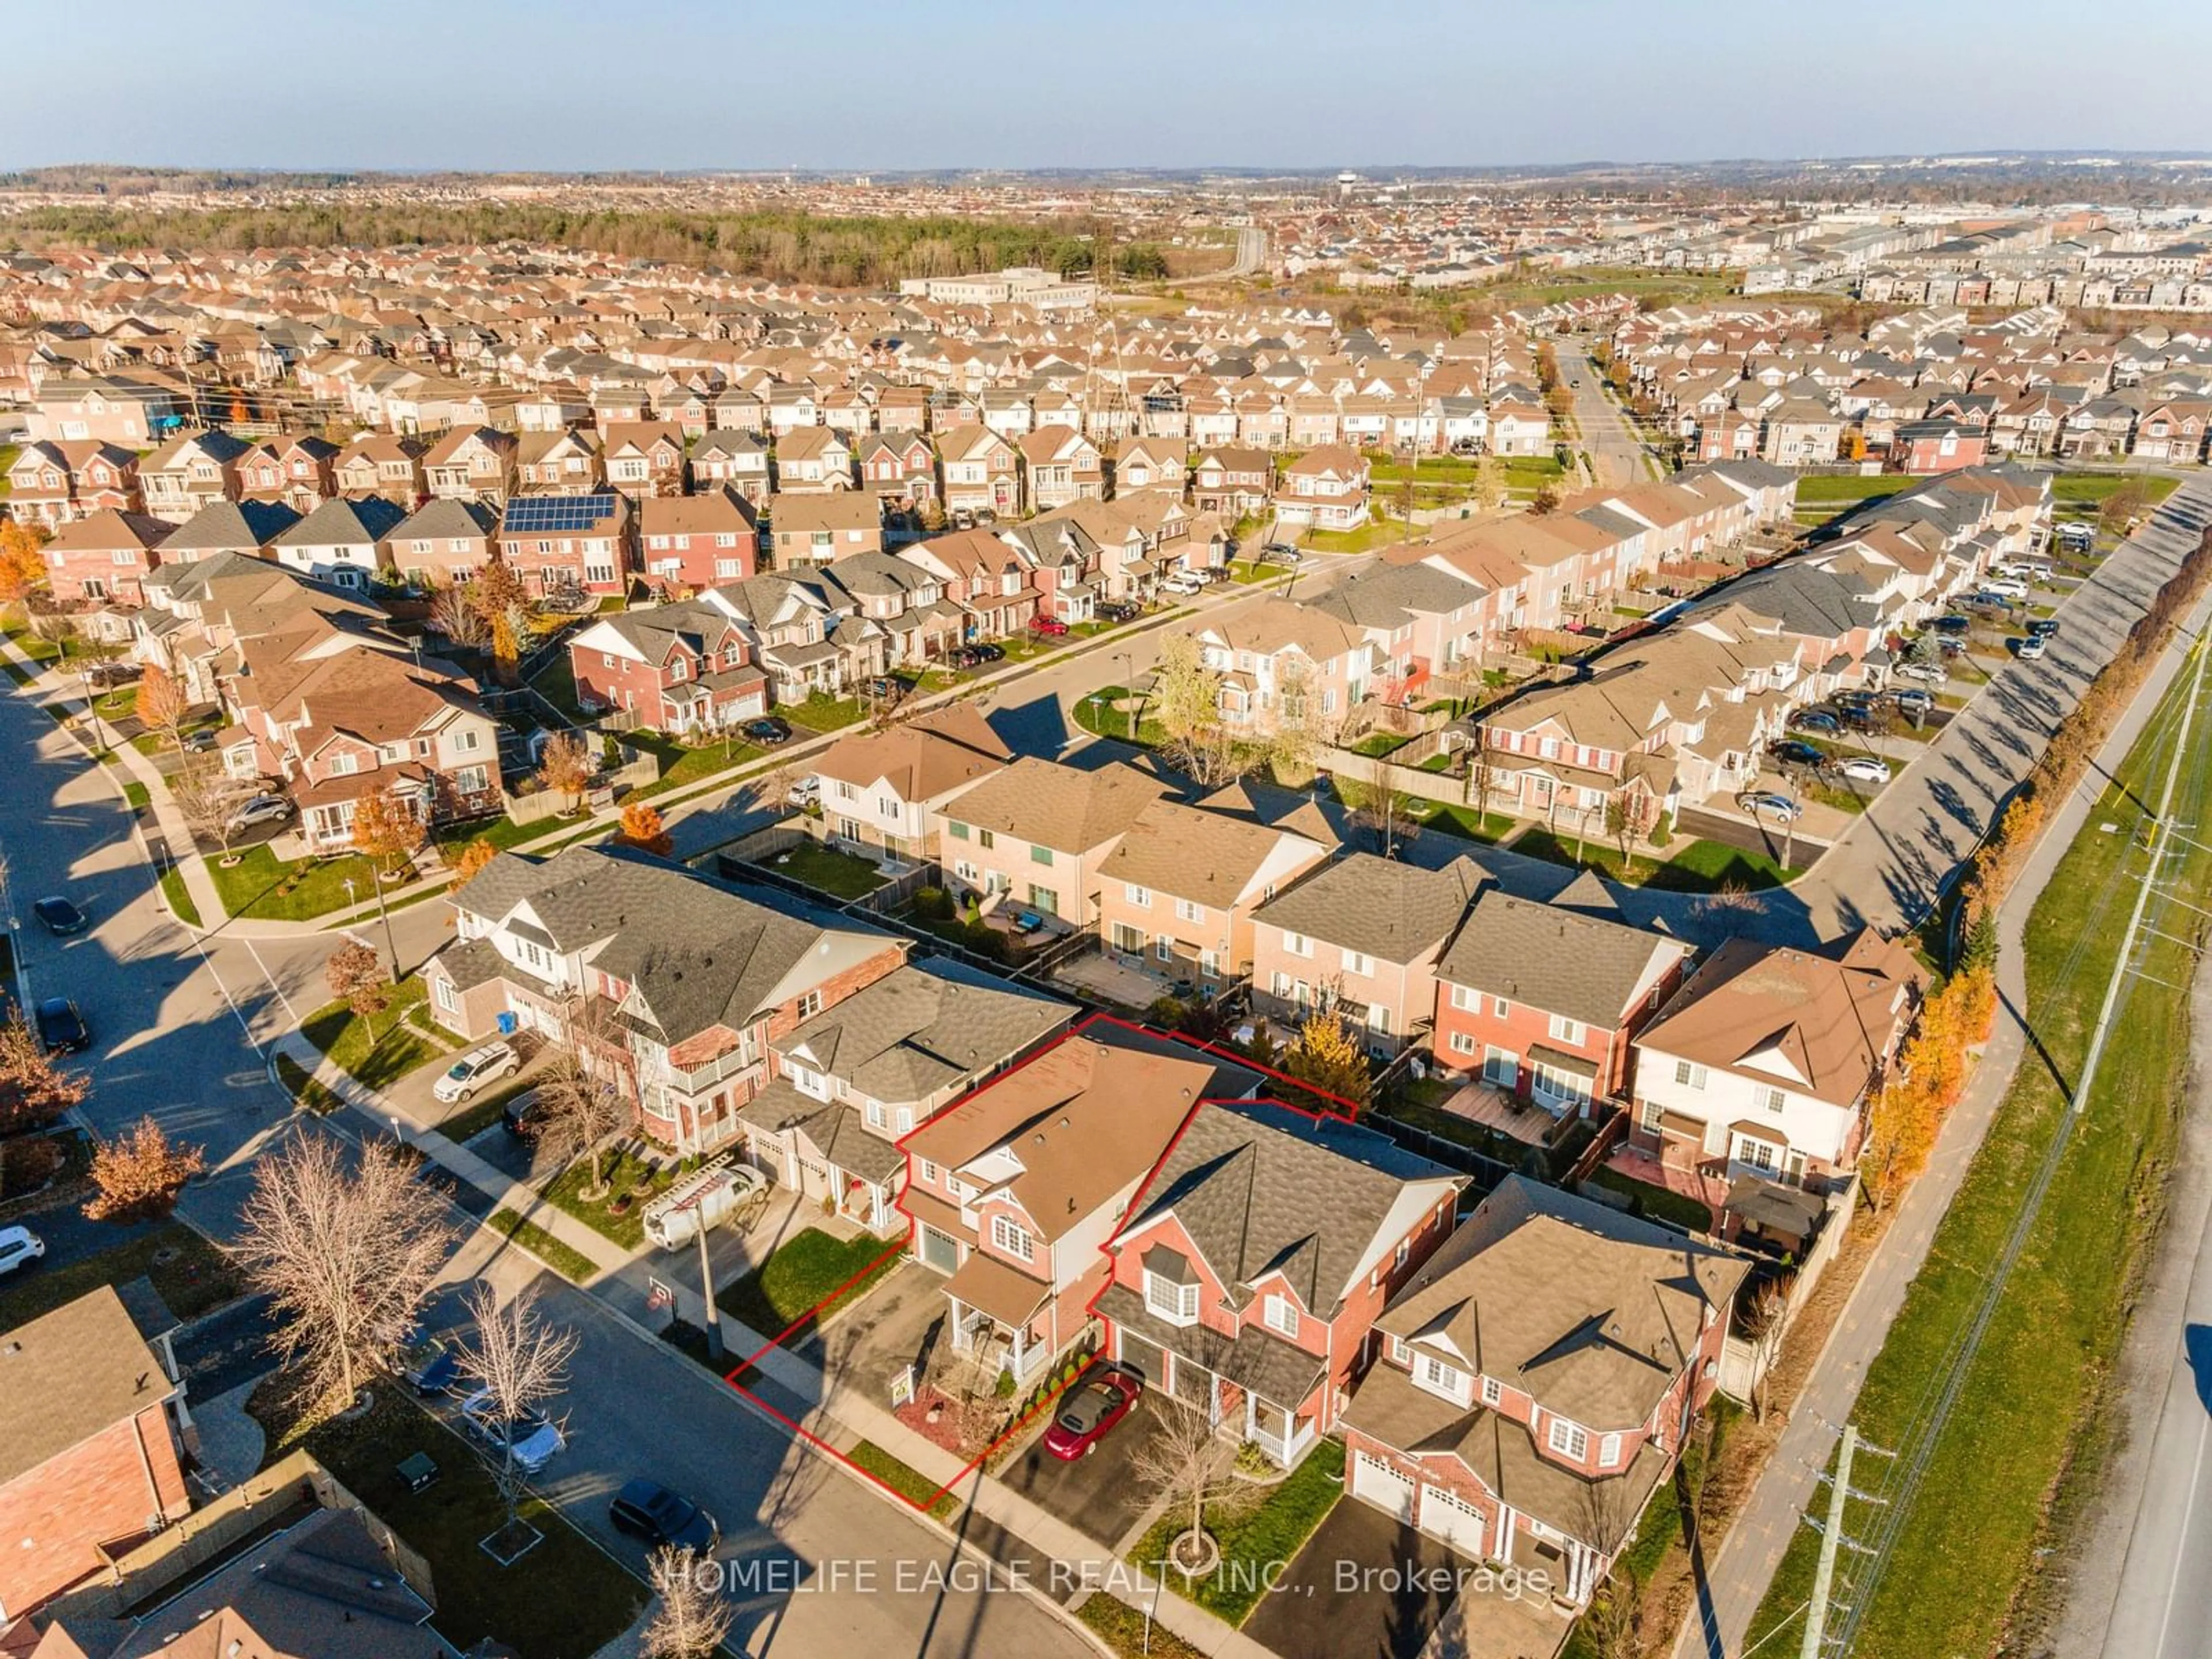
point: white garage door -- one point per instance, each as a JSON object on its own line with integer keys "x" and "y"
{"x": 1383, "y": 1486}
{"x": 1446, "y": 1515}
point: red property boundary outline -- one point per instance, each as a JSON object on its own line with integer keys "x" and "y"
{"x": 813, "y": 1316}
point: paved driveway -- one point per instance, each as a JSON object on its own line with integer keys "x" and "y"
{"x": 1099, "y": 1495}
{"x": 1358, "y": 1587}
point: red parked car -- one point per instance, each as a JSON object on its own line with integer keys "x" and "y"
{"x": 1051, "y": 626}
{"x": 1099, "y": 1399}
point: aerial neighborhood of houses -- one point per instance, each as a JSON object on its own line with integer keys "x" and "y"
{"x": 1215, "y": 857}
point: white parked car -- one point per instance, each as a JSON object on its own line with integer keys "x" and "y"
{"x": 804, "y": 792}
{"x": 1865, "y": 768}
{"x": 2031, "y": 648}
{"x": 473, "y": 1070}
{"x": 2005, "y": 588}
{"x": 1928, "y": 673}
{"x": 262, "y": 809}
{"x": 1765, "y": 804}
{"x": 18, "y": 1247}
{"x": 1183, "y": 581}
{"x": 535, "y": 1440}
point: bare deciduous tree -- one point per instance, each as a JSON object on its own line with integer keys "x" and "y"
{"x": 692, "y": 1618}
{"x": 1764, "y": 1318}
{"x": 453, "y": 614}
{"x": 1185, "y": 1463}
{"x": 520, "y": 1362}
{"x": 210, "y": 798}
{"x": 162, "y": 705}
{"x": 346, "y": 1254}
{"x": 579, "y": 1107}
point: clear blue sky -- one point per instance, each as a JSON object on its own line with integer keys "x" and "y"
{"x": 580, "y": 84}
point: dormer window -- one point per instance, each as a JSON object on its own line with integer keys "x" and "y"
{"x": 1282, "y": 1315}
{"x": 1570, "y": 1440}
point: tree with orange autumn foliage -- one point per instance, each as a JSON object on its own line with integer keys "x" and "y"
{"x": 1929, "y": 1076}
{"x": 643, "y": 828}
{"x": 22, "y": 560}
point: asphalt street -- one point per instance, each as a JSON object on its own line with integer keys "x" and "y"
{"x": 1616, "y": 454}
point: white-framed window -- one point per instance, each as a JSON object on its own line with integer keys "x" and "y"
{"x": 1688, "y": 1076}
{"x": 1492, "y": 1391}
{"x": 344, "y": 766}
{"x": 1176, "y": 1303}
{"x": 1462, "y": 1042}
{"x": 1773, "y": 1100}
{"x": 877, "y": 1117}
{"x": 1608, "y": 1451}
{"x": 1009, "y": 1236}
{"x": 1570, "y": 1440}
{"x": 1296, "y": 945}
{"x": 442, "y": 989}
{"x": 1466, "y": 999}
{"x": 1501, "y": 1067}
{"x": 1647, "y": 1116}
{"x": 1499, "y": 1007}
{"x": 1188, "y": 910}
{"x": 809, "y": 1004}
{"x": 1163, "y": 948}
{"x": 1566, "y": 1030}
{"x": 1439, "y": 1377}
{"x": 1142, "y": 897}
{"x": 928, "y": 1173}
{"x": 1282, "y": 1315}
{"x": 1398, "y": 1350}
{"x": 1358, "y": 963}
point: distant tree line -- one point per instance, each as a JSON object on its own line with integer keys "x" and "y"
{"x": 800, "y": 247}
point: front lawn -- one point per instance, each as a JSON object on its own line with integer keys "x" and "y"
{"x": 1828, "y": 488}
{"x": 383, "y": 1048}
{"x": 303, "y": 1088}
{"x": 1097, "y": 715}
{"x": 847, "y": 875}
{"x": 620, "y": 1216}
{"x": 266, "y": 888}
{"x": 1706, "y": 867}
{"x": 682, "y": 765}
{"x": 1377, "y": 532}
{"x": 1252, "y": 1536}
{"x": 193, "y": 1277}
{"x": 1455, "y": 818}
{"x": 2085, "y": 491}
{"x": 502, "y": 832}
{"x": 564, "y": 1600}
{"x": 821, "y": 714}
{"x": 804, "y": 1272}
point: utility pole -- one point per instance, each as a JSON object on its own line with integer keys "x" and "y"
{"x": 713, "y": 1316}
{"x": 1824, "y": 1575}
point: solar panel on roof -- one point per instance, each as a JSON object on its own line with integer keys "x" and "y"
{"x": 557, "y": 514}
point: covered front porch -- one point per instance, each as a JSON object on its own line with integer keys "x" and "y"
{"x": 998, "y": 1317}
{"x": 1261, "y": 1390}
{"x": 822, "y": 1150}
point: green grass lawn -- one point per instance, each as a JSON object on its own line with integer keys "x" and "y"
{"x": 903, "y": 1479}
{"x": 1377, "y": 532}
{"x": 1657, "y": 1202}
{"x": 802, "y": 1273}
{"x": 1124, "y": 1629}
{"x": 381, "y": 1050}
{"x": 266, "y": 888}
{"x": 303, "y": 1088}
{"x": 626, "y": 1176}
{"x": 135, "y": 795}
{"x": 198, "y": 1277}
{"x": 502, "y": 832}
{"x": 1531, "y": 473}
{"x": 845, "y": 874}
{"x": 564, "y": 1600}
{"x": 683, "y": 764}
{"x": 832, "y": 713}
{"x": 556, "y": 683}
{"x": 1701, "y": 866}
{"x": 2007, "y": 1483}
{"x": 2087, "y": 491}
{"x": 1377, "y": 744}
{"x": 1455, "y": 818}
{"x": 1097, "y": 714}
{"x": 121, "y": 703}
{"x": 570, "y": 1263}
{"x": 178, "y": 897}
{"x": 1252, "y": 1536}
{"x": 1849, "y": 487}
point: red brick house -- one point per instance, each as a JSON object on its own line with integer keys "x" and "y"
{"x": 899, "y": 467}
{"x": 91, "y": 1426}
{"x": 704, "y": 975}
{"x": 645, "y": 458}
{"x": 1232, "y": 481}
{"x": 1544, "y": 1001}
{"x": 561, "y": 543}
{"x": 299, "y": 471}
{"x": 59, "y": 479}
{"x": 1535, "y": 1381}
{"x": 1014, "y": 1188}
{"x": 1925, "y": 446}
{"x": 982, "y": 474}
{"x": 678, "y": 668}
{"x": 1257, "y": 1258}
{"x": 686, "y": 543}
{"x": 104, "y": 559}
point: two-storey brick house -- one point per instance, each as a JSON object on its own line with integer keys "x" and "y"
{"x": 982, "y": 474}
{"x": 1361, "y": 936}
{"x": 687, "y": 542}
{"x": 1036, "y": 835}
{"x": 685, "y": 668}
{"x": 1543, "y": 1002}
{"x": 1014, "y": 1189}
{"x": 560, "y": 545}
{"x": 847, "y": 1084}
{"x": 1536, "y": 1380}
{"x": 1256, "y": 1258}
{"x": 104, "y": 559}
{"x": 443, "y": 541}
{"x": 886, "y": 790}
{"x": 695, "y": 978}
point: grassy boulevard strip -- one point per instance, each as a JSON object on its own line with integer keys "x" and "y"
{"x": 2033, "y": 1267}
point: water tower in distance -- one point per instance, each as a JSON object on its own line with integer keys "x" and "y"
{"x": 1346, "y": 184}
